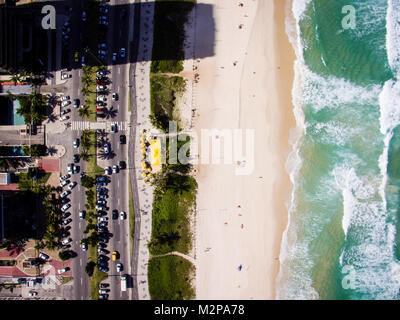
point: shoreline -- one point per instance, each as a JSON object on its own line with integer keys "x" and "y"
{"x": 242, "y": 218}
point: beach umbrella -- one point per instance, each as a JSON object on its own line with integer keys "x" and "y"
{"x": 143, "y": 144}
{"x": 142, "y": 138}
{"x": 143, "y": 175}
{"x": 143, "y": 150}
{"x": 143, "y": 156}
{"x": 150, "y": 175}
{"x": 144, "y": 165}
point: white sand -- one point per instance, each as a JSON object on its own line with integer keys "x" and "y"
{"x": 234, "y": 97}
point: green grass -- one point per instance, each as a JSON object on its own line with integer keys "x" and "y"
{"x": 170, "y": 278}
{"x": 163, "y": 93}
{"x": 66, "y": 280}
{"x": 129, "y": 100}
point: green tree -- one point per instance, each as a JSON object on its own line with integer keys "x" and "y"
{"x": 64, "y": 255}
{"x": 84, "y": 112}
{"x": 87, "y": 181}
{"x": 90, "y": 268}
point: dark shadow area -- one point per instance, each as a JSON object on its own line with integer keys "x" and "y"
{"x": 76, "y": 41}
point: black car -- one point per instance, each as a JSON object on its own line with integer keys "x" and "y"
{"x": 76, "y": 103}
{"x": 122, "y": 139}
{"x": 102, "y": 245}
{"x": 115, "y": 214}
{"x": 83, "y": 173}
{"x": 65, "y": 215}
{"x": 122, "y": 165}
{"x": 104, "y": 285}
{"x": 66, "y": 246}
{"x": 76, "y": 158}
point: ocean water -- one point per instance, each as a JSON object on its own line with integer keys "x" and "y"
{"x": 342, "y": 240}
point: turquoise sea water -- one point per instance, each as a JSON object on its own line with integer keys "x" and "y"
{"x": 342, "y": 241}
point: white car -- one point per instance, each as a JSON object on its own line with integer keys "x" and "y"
{"x": 72, "y": 185}
{"x": 65, "y": 103}
{"x": 64, "y": 183}
{"x": 100, "y": 207}
{"x": 114, "y": 56}
{"x": 66, "y": 76}
{"x": 32, "y": 293}
{"x": 101, "y": 219}
{"x": 122, "y": 215}
{"x": 60, "y": 271}
{"x": 115, "y": 169}
{"x": 101, "y": 98}
{"x": 65, "y": 98}
{"x": 65, "y": 207}
{"x": 81, "y": 214}
{"x": 65, "y": 193}
{"x": 84, "y": 246}
{"x": 122, "y": 53}
{"x": 101, "y": 73}
{"x": 63, "y": 118}
{"x": 65, "y": 111}
{"x": 119, "y": 267}
{"x": 99, "y": 88}
{"x": 66, "y": 241}
{"x": 107, "y": 170}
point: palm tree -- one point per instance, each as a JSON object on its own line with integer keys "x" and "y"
{"x": 84, "y": 155}
{"x": 84, "y": 112}
{"x": 85, "y": 90}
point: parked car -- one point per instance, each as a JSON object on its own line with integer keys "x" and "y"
{"x": 107, "y": 170}
{"x": 64, "y": 98}
{"x": 76, "y": 103}
{"x": 61, "y": 271}
{"x": 107, "y": 148}
{"x": 63, "y": 112}
{"x": 102, "y": 251}
{"x": 72, "y": 185}
{"x": 65, "y": 215}
{"x": 65, "y": 193}
{"x": 102, "y": 202}
{"x": 102, "y": 245}
{"x": 103, "y": 269}
{"x": 101, "y": 73}
{"x": 64, "y": 118}
{"x": 70, "y": 169}
{"x": 114, "y": 128}
{"x": 102, "y": 196}
{"x": 100, "y": 207}
{"x": 66, "y": 241}
{"x": 66, "y": 75}
{"x": 64, "y": 177}
{"x": 76, "y": 158}
{"x": 32, "y": 293}
{"x": 115, "y": 255}
{"x": 63, "y": 183}
{"x": 101, "y": 98}
{"x": 122, "y": 215}
{"x": 114, "y": 56}
{"x": 43, "y": 256}
{"x": 101, "y": 184}
{"x": 122, "y": 53}
{"x": 100, "y": 178}
{"x": 65, "y": 222}
{"x": 102, "y": 46}
{"x": 65, "y": 103}
{"x": 76, "y": 143}
{"x": 65, "y": 207}
{"x": 67, "y": 246}
{"x": 104, "y": 285}
{"x": 83, "y": 16}
{"x": 64, "y": 201}
{"x": 100, "y": 219}
{"x": 76, "y": 169}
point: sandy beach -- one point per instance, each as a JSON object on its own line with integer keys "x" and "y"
{"x": 245, "y": 84}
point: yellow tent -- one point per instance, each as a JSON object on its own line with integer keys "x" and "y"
{"x": 155, "y": 152}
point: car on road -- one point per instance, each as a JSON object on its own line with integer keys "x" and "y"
{"x": 65, "y": 111}
{"x": 76, "y": 143}
{"x": 122, "y": 53}
{"x": 65, "y": 207}
{"x": 32, "y": 293}
{"x": 76, "y": 169}
{"x": 83, "y": 61}
{"x": 65, "y": 193}
{"x": 76, "y": 103}
{"x": 72, "y": 185}
{"x": 65, "y": 222}
{"x": 115, "y": 169}
{"x": 114, "y": 214}
{"x": 83, "y": 16}
{"x": 122, "y": 139}
{"x": 61, "y": 271}
{"x": 76, "y": 56}
{"x": 63, "y": 118}
{"x": 64, "y": 183}
{"x": 122, "y": 215}
{"x": 76, "y": 158}
{"x": 115, "y": 96}
{"x": 122, "y": 165}
{"x": 115, "y": 255}
{"x": 82, "y": 214}
{"x": 114, "y": 56}
{"x": 66, "y": 241}
{"x": 84, "y": 246}
{"x": 114, "y": 128}
{"x": 43, "y": 256}
{"x": 119, "y": 267}
{"x": 66, "y": 76}
{"x": 64, "y": 98}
